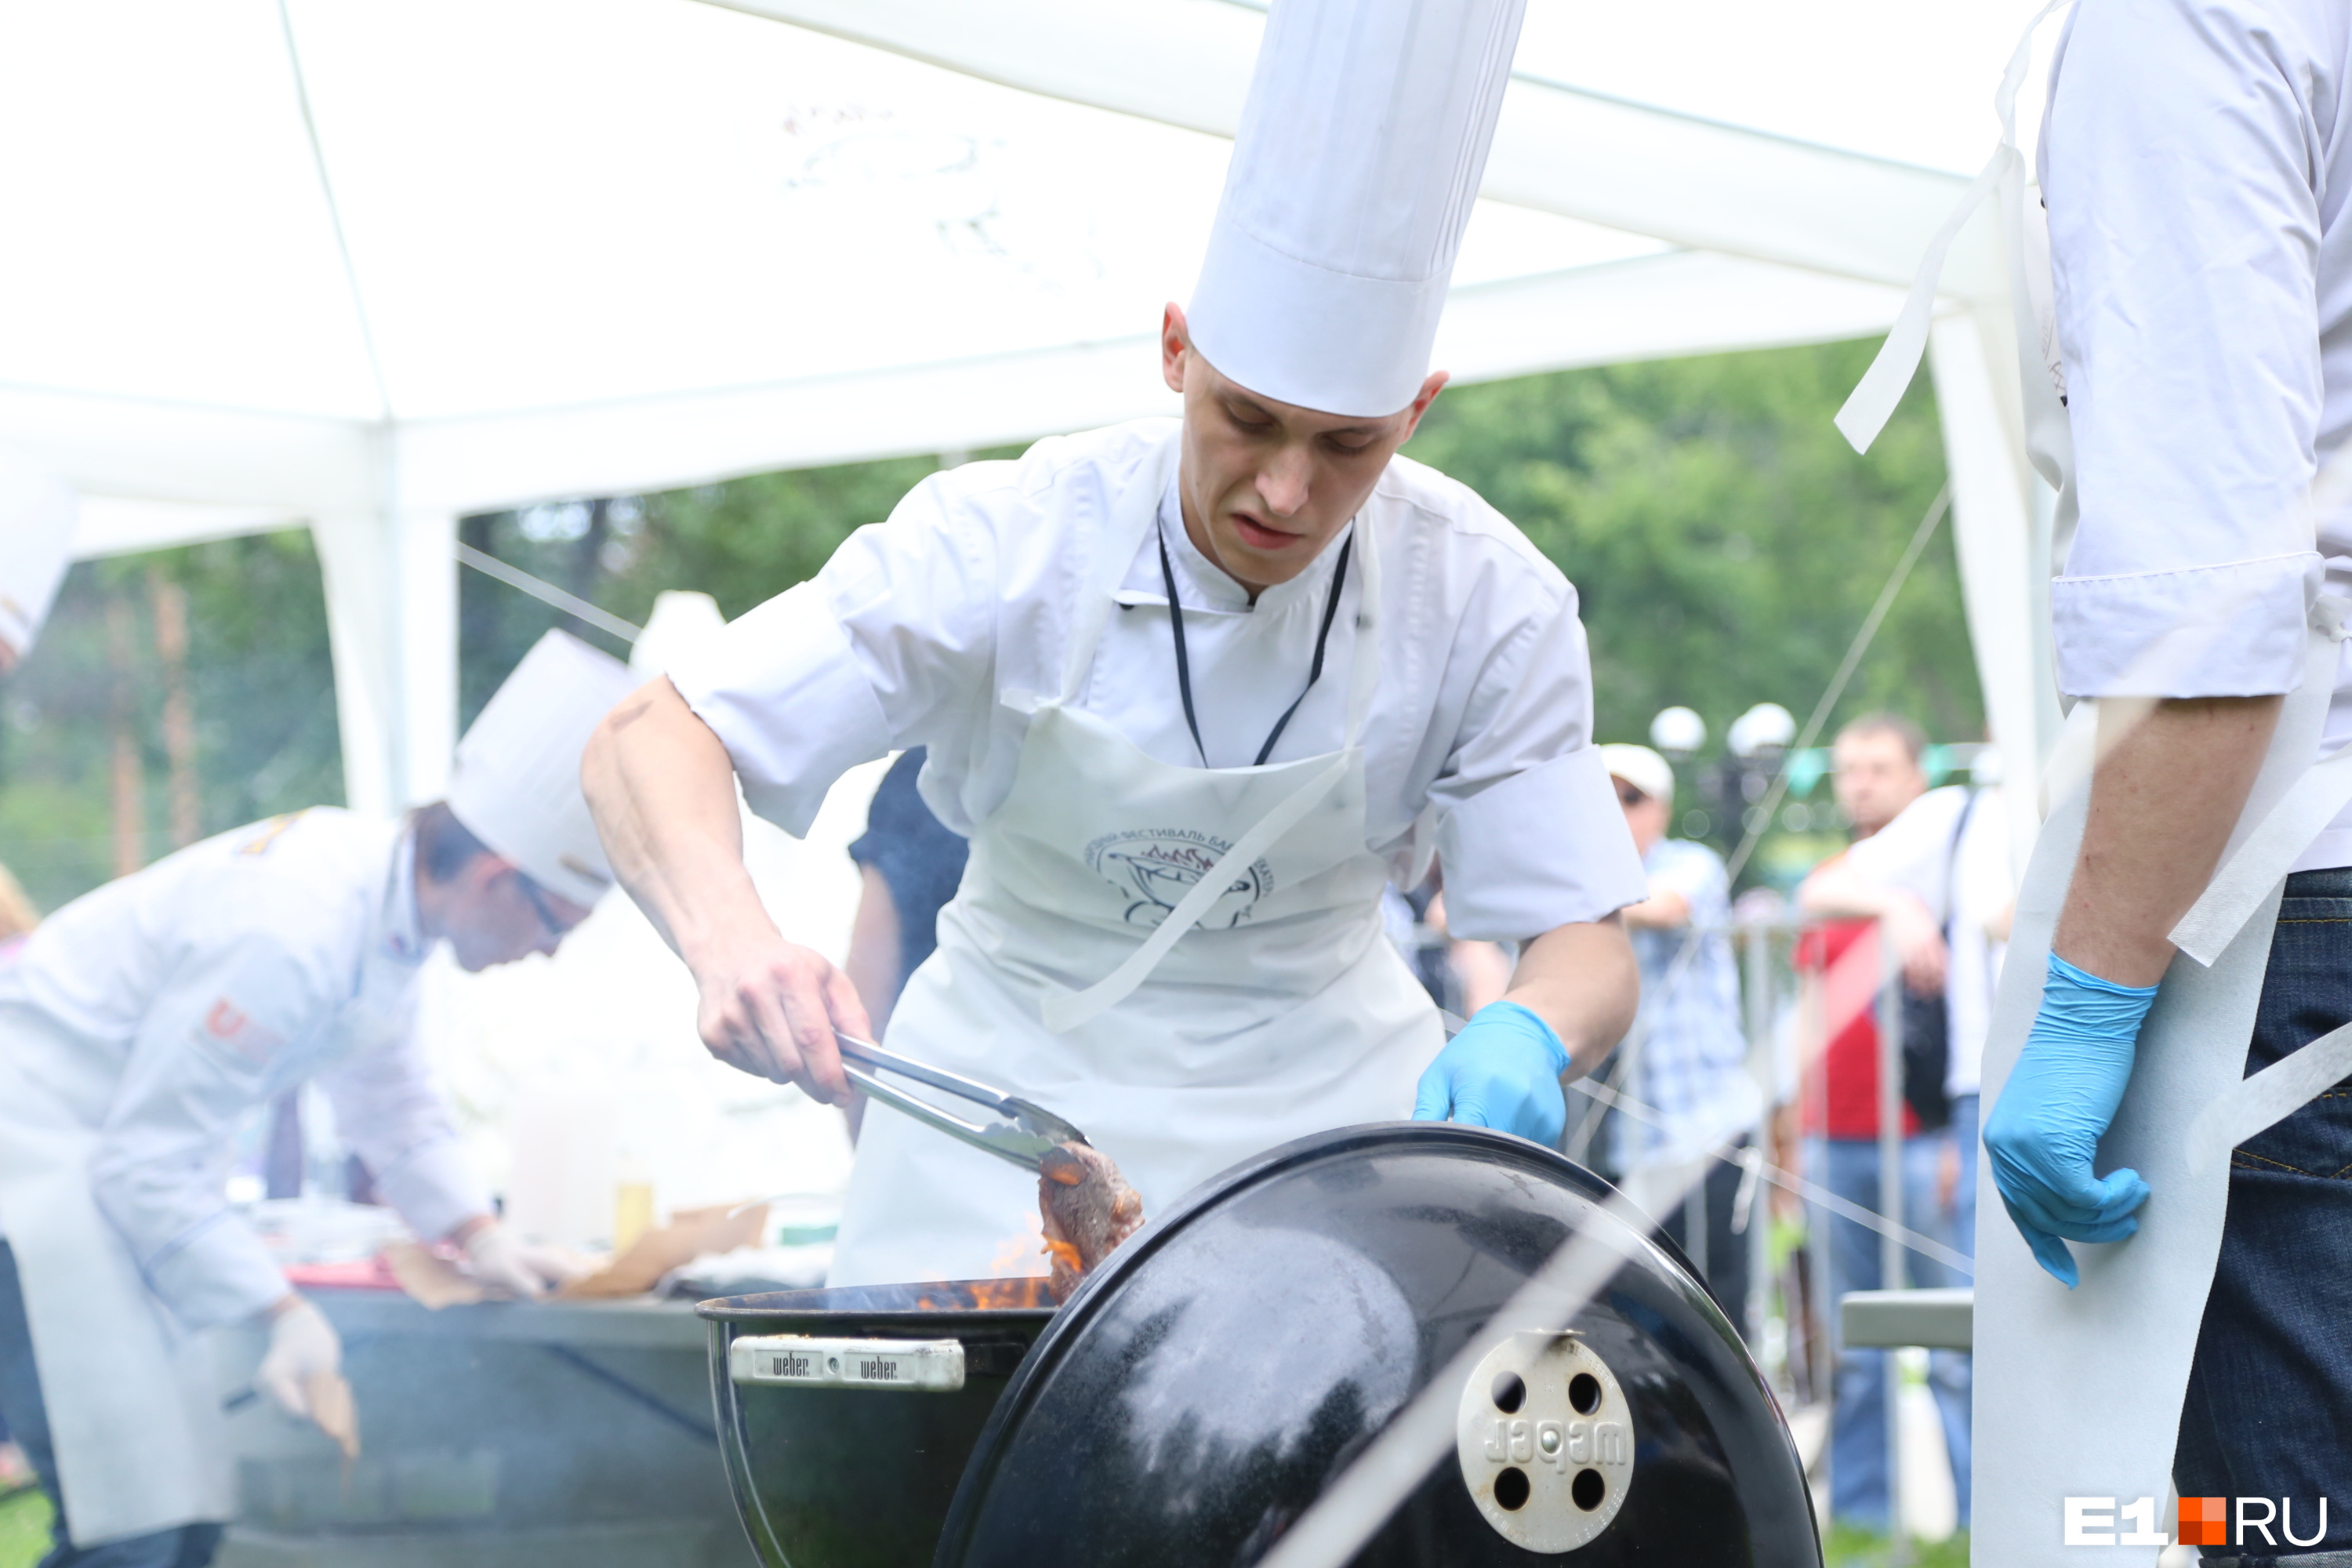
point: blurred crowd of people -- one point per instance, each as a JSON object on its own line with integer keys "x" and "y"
{"x": 1909, "y": 918}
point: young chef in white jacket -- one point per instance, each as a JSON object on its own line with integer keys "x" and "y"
{"x": 140, "y": 1024}
{"x": 1193, "y": 691}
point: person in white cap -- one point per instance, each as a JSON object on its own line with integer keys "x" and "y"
{"x": 1194, "y": 690}
{"x": 38, "y": 511}
{"x": 140, "y": 1024}
{"x": 1688, "y": 1055}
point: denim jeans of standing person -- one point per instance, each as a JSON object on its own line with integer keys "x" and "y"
{"x": 1849, "y": 1167}
{"x": 187, "y": 1546}
{"x": 1954, "y": 1372}
{"x": 2268, "y": 1411}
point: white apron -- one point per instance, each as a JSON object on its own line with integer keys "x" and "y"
{"x": 2078, "y": 1393}
{"x": 133, "y": 1403}
{"x": 1189, "y": 963}
{"x": 133, "y": 1411}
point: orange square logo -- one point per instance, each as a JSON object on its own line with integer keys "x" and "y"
{"x": 2204, "y": 1522}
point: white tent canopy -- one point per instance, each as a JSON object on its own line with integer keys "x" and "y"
{"x": 372, "y": 267}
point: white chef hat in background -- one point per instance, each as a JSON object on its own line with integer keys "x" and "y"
{"x": 1641, "y": 767}
{"x": 1358, "y": 155}
{"x": 37, "y": 513}
{"x": 681, "y": 625}
{"x": 517, "y": 786}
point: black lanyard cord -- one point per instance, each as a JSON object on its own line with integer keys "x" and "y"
{"x": 1184, "y": 662}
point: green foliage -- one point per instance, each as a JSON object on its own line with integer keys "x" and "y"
{"x": 742, "y": 543}
{"x": 1847, "y": 1547}
{"x": 1725, "y": 541}
{"x": 23, "y": 1529}
{"x": 260, "y": 687}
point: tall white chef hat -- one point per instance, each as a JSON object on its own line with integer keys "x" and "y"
{"x": 1360, "y": 152}
{"x": 38, "y": 512}
{"x": 517, "y": 787}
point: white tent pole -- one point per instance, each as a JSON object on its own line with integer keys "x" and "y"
{"x": 390, "y": 580}
{"x": 360, "y": 612}
{"x": 1993, "y": 534}
{"x": 426, "y": 549}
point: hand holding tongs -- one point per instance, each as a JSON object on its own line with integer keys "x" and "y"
{"x": 1018, "y": 1130}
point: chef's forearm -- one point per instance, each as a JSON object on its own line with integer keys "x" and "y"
{"x": 2170, "y": 781}
{"x": 662, "y": 791}
{"x": 1583, "y": 981}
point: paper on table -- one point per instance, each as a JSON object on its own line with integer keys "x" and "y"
{"x": 689, "y": 1235}
{"x": 430, "y": 1279}
{"x": 435, "y": 1282}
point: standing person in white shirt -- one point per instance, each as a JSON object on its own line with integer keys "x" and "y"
{"x": 1945, "y": 861}
{"x": 2197, "y": 172}
{"x": 1195, "y": 690}
{"x": 1690, "y": 1049}
{"x": 1942, "y": 865}
{"x": 142, "y": 1024}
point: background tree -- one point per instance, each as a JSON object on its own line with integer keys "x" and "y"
{"x": 1725, "y": 541}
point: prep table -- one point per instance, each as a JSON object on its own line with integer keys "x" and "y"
{"x": 577, "y": 1434}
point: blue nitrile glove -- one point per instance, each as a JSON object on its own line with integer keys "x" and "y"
{"x": 1501, "y": 1071}
{"x": 2059, "y": 1098}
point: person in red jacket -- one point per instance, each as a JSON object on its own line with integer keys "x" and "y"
{"x": 1877, "y": 772}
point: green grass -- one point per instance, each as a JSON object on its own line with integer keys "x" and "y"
{"x": 23, "y": 1529}
{"x": 1846, "y": 1547}
{"x": 25, "y": 1536}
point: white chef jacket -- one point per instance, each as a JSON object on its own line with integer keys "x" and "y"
{"x": 928, "y": 629}
{"x": 187, "y": 994}
{"x": 1964, "y": 884}
{"x": 2195, "y": 165}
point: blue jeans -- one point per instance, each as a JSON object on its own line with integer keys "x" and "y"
{"x": 1954, "y": 1370}
{"x": 2269, "y": 1410}
{"x": 1849, "y": 1167}
{"x": 188, "y": 1546}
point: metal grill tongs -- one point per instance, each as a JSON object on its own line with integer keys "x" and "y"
{"x": 1018, "y": 1130}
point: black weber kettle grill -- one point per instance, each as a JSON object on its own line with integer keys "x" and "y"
{"x": 1224, "y": 1366}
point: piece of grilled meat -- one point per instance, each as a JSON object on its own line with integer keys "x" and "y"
{"x": 1089, "y": 1209}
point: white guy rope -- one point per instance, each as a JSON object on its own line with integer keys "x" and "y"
{"x": 548, "y": 592}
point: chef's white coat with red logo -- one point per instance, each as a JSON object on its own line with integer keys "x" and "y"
{"x": 138, "y": 1026}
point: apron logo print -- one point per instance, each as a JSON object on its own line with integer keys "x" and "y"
{"x": 230, "y": 1027}
{"x": 2204, "y": 1522}
{"x": 1154, "y": 868}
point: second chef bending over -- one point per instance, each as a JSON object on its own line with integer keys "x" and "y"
{"x": 1194, "y": 691}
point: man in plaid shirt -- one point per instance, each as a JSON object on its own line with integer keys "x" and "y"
{"x": 1689, "y": 1056}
